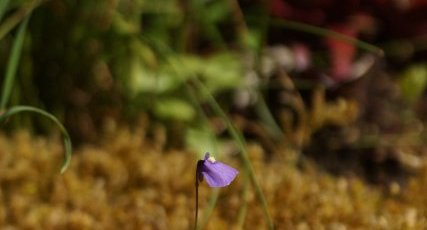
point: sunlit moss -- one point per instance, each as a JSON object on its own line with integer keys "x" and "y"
{"x": 124, "y": 181}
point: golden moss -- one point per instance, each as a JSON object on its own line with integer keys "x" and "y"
{"x": 126, "y": 183}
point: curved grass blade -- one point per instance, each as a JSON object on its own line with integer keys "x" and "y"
{"x": 67, "y": 140}
{"x": 12, "y": 64}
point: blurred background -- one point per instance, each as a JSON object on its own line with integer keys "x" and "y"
{"x": 319, "y": 104}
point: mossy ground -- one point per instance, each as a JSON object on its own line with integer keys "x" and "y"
{"x": 127, "y": 181}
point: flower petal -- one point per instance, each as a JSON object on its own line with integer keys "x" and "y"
{"x": 218, "y": 174}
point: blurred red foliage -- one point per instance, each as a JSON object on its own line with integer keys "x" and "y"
{"x": 378, "y": 21}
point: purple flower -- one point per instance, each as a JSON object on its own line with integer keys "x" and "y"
{"x": 215, "y": 173}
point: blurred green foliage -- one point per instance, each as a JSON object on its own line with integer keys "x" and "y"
{"x": 413, "y": 82}
{"x": 108, "y": 58}
{"x": 88, "y": 61}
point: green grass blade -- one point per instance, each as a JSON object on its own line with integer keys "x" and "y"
{"x": 233, "y": 132}
{"x": 209, "y": 209}
{"x": 299, "y": 26}
{"x": 244, "y": 208}
{"x": 12, "y": 64}
{"x": 67, "y": 140}
{"x": 11, "y": 22}
{"x": 215, "y": 194}
{"x": 237, "y": 136}
{"x": 267, "y": 118}
{"x": 3, "y": 7}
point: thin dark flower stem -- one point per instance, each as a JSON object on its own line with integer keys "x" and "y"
{"x": 195, "y": 99}
{"x": 197, "y": 204}
{"x": 214, "y": 197}
{"x": 199, "y": 178}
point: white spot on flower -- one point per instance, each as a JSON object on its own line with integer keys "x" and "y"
{"x": 211, "y": 159}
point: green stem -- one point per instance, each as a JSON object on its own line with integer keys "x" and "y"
{"x": 244, "y": 208}
{"x": 12, "y": 64}
{"x": 17, "y": 17}
{"x": 209, "y": 208}
{"x": 264, "y": 112}
{"x": 3, "y": 6}
{"x": 242, "y": 145}
{"x": 214, "y": 197}
{"x": 299, "y": 26}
